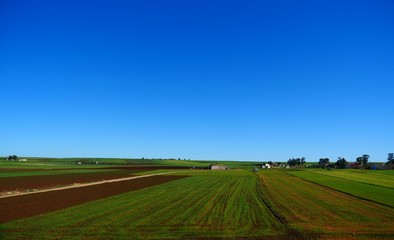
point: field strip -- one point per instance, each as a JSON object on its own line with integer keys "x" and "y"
{"x": 28, "y": 205}
{"x": 85, "y": 184}
{"x": 344, "y": 192}
{"x": 311, "y": 209}
{"x": 348, "y": 179}
{"x": 260, "y": 194}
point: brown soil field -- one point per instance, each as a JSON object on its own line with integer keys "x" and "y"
{"x": 23, "y": 206}
{"x": 50, "y": 181}
{"x": 145, "y": 168}
{"x": 24, "y": 183}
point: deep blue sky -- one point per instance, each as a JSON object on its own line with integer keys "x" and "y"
{"x": 242, "y": 80}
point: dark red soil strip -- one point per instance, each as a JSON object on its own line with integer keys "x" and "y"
{"x": 24, "y": 206}
{"x": 50, "y": 181}
{"x": 147, "y": 168}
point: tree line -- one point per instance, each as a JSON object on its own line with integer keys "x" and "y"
{"x": 361, "y": 161}
{"x": 340, "y": 162}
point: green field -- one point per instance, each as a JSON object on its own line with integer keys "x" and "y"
{"x": 378, "y": 178}
{"x": 270, "y": 204}
{"x": 71, "y": 162}
{"x": 305, "y": 206}
{"x": 208, "y": 204}
{"x": 371, "y": 191}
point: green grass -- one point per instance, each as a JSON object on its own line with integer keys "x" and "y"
{"x": 70, "y": 162}
{"x": 207, "y": 204}
{"x": 382, "y": 172}
{"x": 307, "y": 207}
{"x": 217, "y": 204}
{"x": 374, "y": 193}
{"x": 363, "y": 176}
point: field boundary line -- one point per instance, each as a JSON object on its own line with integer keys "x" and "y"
{"x": 85, "y": 184}
{"x": 294, "y": 233}
{"x": 337, "y": 190}
{"x": 375, "y": 185}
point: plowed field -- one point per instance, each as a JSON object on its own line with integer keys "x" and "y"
{"x": 63, "y": 178}
{"x": 49, "y": 181}
{"x": 33, "y": 204}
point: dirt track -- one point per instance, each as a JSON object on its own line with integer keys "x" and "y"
{"x": 28, "y": 205}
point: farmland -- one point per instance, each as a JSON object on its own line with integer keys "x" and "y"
{"x": 205, "y": 204}
{"x": 305, "y": 206}
{"x": 184, "y": 203}
{"x": 20, "y": 180}
{"x": 377, "y": 188}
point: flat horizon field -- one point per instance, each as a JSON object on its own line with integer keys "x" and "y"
{"x": 186, "y": 203}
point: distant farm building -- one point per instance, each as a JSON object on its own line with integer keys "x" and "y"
{"x": 355, "y": 165}
{"x": 219, "y": 167}
{"x": 378, "y": 166}
{"x": 266, "y": 166}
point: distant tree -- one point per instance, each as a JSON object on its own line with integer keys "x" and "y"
{"x": 270, "y": 163}
{"x": 324, "y": 161}
{"x": 390, "y": 158}
{"x": 363, "y": 159}
{"x": 291, "y": 162}
{"x": 296, "y": 161}
{"x": 12, "y": 157}
{"x": 341, "y": 162}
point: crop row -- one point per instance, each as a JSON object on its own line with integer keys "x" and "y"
{"x": 199, "y": 206}
{"x": 383, "y": 195}
{"x": 377, "y": 178}
{"x": 307, "y": 207}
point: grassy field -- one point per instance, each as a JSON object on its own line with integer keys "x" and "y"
{"x": 370, "y": 191}
{"x": 271, "y": 204}
{"x": 71, "y": 162}
{"x": 307, "y": 207}
{"x": 208, "y": 204}
{"x": 378, "y": 178}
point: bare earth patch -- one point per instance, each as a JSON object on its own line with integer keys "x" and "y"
{"x": 23, "y": 206}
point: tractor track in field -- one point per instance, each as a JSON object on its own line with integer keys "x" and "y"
{"x": 277, "y": 216}
{"x": 291, "y": 233}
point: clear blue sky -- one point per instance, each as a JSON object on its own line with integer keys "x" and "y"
{"x": 242, "y": 80}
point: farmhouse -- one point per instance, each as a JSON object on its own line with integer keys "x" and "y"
{"x": 263, "y": 165}
{"x": 218, "y": 167}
